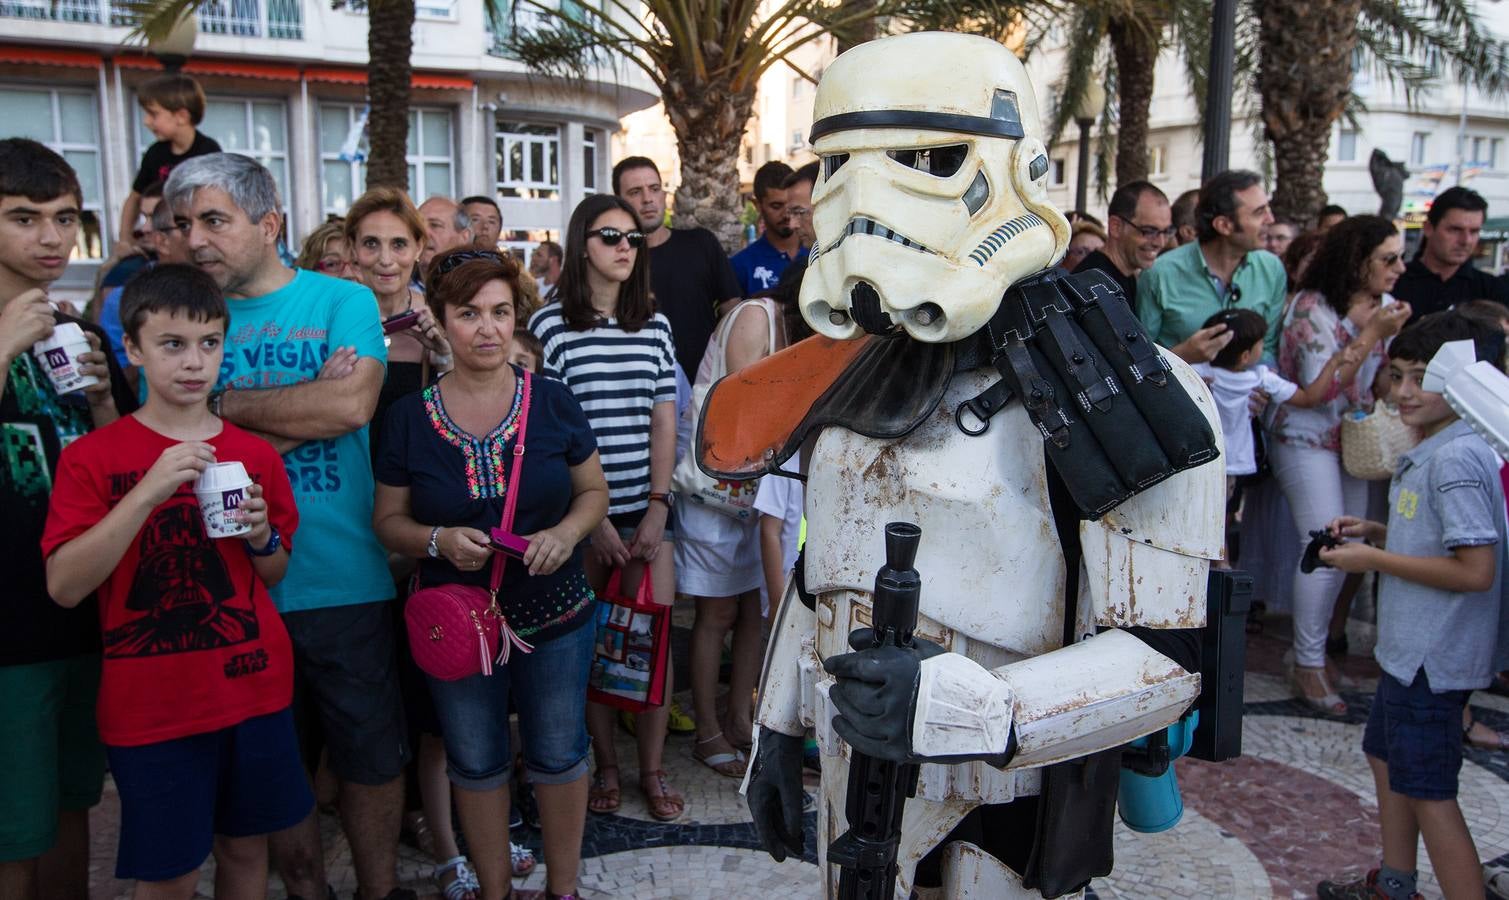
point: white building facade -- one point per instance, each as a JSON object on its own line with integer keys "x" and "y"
{"x": 1449, "y": 135}
{"x": 286, "y": 81}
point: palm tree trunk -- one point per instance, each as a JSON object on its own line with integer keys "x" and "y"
{"x": 708, "y": 117}
{"x": 1135, "y": 45}
{"x": 1304, "y": 76}
{"x": 390, "y": 40}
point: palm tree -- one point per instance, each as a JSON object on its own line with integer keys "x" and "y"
{"x": 390, "y": 41}
{"x": 704, "y": 56}
{"x": 1309, "y": 51}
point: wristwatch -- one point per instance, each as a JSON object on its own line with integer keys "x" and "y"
{"x": 433, "y": 547}
{"x": 668, "y": 499}
{"x": 273, "y": 543}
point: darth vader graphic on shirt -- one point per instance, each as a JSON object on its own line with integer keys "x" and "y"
{"x": 182, "y": 598}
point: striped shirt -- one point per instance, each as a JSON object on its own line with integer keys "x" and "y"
{"x": 617, "y": 376}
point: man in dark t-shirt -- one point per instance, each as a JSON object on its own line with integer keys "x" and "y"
{"x": 1139, "y": 224}
{"x": 1442, "y": 275}
{"x": 689, "y": 274}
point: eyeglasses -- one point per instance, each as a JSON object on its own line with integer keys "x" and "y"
{"x": 458, "y": 258}
{"x": 798, "y": 212}
{"x": 1388, "y": 259}
{"x": 1148, "y": 232}
{"x": 611, "y": 236}
{"x": 332, "y": 263}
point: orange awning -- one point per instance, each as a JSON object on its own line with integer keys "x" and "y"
{"x": 419, "y": 80}
{"x": 47, "y": 56}
{"x": 227, "y": 67}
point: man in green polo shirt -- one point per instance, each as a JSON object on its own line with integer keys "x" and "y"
{"x": 1225, "y": 268}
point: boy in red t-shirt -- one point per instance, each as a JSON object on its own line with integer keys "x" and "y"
{"x": 197, "y": 678}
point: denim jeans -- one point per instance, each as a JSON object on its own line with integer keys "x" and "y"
{"x": 550, "y": 693}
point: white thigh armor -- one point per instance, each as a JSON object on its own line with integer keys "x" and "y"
{"x": 993, "y": 583}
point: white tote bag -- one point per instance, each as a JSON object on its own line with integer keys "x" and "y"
{"x": 731, "y": 498}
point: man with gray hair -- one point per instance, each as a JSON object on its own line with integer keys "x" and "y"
{"x": 304, "y": 361}
{"x": 448, "y": 227}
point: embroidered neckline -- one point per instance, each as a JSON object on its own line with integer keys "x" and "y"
{"x": 485, "y": 475}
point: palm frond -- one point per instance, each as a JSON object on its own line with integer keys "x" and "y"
{"x": 1086, "y": 37}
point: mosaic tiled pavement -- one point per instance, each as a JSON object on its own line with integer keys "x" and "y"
{"x": 1297, "y": 807}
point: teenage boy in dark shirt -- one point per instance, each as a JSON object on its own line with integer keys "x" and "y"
{"x": 49, "y": 657}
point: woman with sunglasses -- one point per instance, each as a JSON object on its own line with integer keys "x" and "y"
{"x": 444, "y": 475}
{"x": 1343, "y": 299}
{"x": 603, "y": 337}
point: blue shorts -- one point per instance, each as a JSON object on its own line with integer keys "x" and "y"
{"x": 1418, "y": 733}
{"x": 177, "y": 795}
{"x": 549, "y": 687}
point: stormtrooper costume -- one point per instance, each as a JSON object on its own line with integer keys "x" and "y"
{"x": 931, "y": 205}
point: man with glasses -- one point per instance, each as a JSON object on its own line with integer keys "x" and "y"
{"x": 1225, "y": 267}
{"x": 1139, "y": 225}
{"x": 798, "y": 187}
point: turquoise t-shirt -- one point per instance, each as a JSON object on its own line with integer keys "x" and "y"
{"x": 282, "y": 339}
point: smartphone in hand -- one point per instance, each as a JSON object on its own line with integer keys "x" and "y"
{"x": 401, "y": 322}
{"x": 511, "y": 544}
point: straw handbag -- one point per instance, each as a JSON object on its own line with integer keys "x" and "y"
{"x": 1371, "y": 443}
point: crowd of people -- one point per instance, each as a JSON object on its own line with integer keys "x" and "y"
{"x": 398, "y": 371}
{"x": 1296, "y": 332}
{"x": 407, "y": 391}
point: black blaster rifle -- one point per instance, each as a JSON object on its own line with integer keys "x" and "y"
{"x": 878, "y": 789}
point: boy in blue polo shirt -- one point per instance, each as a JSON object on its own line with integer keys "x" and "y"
{"x": 1439, "y": 598}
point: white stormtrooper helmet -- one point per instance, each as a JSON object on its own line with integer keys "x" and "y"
{"x": 933, "y": 196}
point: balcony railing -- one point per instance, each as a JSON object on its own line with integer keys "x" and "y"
{"x": 52, "y": 10}
{"x": 527, "y": 18}
{"x": 282, "y": 19}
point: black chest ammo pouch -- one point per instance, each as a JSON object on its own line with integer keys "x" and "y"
{"x": 1114, "y": 418}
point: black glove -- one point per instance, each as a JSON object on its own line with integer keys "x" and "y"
{"x": 775, "y": 793}
{"x": 876, "y": 693}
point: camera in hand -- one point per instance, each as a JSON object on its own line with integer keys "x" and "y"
{"x": 1320, "y": 539}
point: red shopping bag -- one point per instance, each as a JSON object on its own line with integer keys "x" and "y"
{"x": 632, "y": 651}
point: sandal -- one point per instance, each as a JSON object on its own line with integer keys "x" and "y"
{"x": 665, "y": 805}
{"x": 601, "y": 799}
{"x": 1329, "y": 703}
{"x": 463, "y": 883}
{"x": 521, "y": 858}
{"x": 730, "y": 765}
{"x": 1499, "y": 741}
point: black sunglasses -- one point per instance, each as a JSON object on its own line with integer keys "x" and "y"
{"x": 458, "y": 258}
{"x": 611, "y": 236}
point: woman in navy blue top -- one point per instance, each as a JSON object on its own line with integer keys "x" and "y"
{"x": 443, "y": 473}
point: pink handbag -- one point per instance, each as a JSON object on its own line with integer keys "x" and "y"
{"x": 454, "y": 627}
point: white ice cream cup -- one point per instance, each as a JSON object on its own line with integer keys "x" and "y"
{"x": 221, "y": 489}
{"x": 59, "y": 356}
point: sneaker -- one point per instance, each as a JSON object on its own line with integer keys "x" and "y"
{"x": 680, "y": 722}
{"x": 1364, "y": 888}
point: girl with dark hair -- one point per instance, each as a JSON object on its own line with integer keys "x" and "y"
{"x": 603, "y": 338}
{"x": 444, "y": 475}
{"x": 1343, "y": 300}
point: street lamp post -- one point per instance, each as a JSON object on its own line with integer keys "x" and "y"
{"x": 1091, "y": 104}
{"x": 174, "y": 48}
{"x": 1223, "y": 24}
